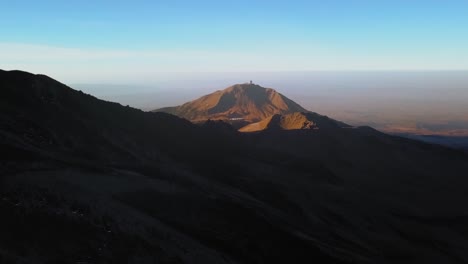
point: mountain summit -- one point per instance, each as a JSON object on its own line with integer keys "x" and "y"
{"x": 246, "y": 103}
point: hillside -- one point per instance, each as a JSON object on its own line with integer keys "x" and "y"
{"x": 294, "y": 121}
{"x": 89, "y": 181}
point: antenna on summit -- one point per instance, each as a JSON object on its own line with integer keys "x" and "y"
{"x": 251, "y": 82}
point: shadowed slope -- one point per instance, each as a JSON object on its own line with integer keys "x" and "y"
{"x": 58, "y": 118}
{"x": 83, "y": 180}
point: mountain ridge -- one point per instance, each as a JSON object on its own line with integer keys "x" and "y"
{"x": 295, "y": 121}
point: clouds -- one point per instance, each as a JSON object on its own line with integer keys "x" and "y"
{"x": 86, "y": 65}
{"x": 82, "y": 65}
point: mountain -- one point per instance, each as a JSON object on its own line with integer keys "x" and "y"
{"x": 89, "y": 181}
{"x": 297, "y": 120}
{"x": 244, "y": 103}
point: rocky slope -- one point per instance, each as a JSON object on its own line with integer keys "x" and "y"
{"x": 298, "y": 120}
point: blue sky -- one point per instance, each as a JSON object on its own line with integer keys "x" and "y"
{"x": 100, "y": 40}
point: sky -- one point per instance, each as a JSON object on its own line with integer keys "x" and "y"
{"x": 104, "y": 41}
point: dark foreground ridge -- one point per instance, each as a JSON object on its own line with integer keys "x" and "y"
{"x": 89, "y": 181}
